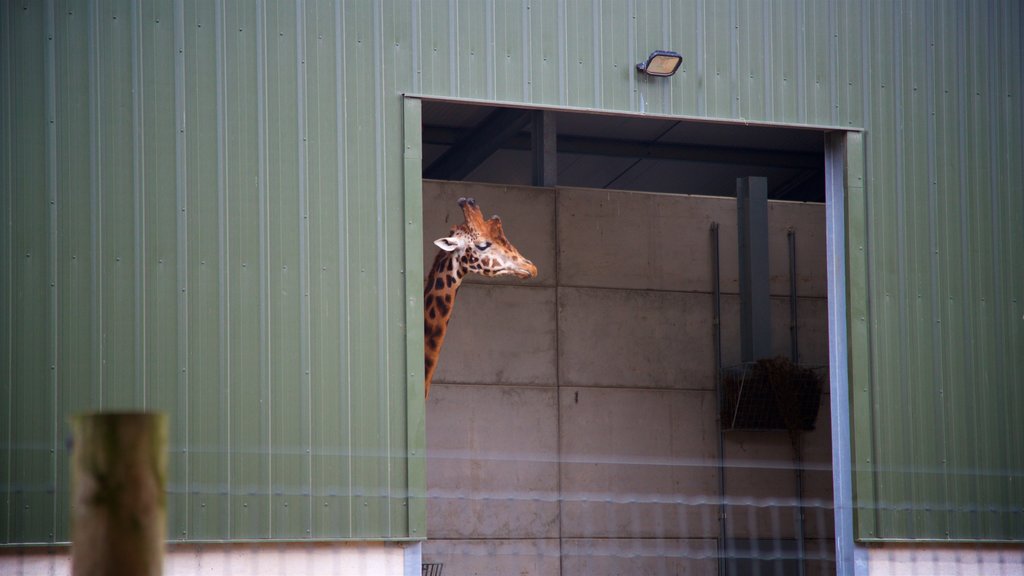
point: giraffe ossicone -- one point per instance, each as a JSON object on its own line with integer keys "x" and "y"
{"x": 476, "y": 246}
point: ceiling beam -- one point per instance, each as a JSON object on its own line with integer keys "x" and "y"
{"x": 613, "y": 147}
{"x": 470, "y": 149}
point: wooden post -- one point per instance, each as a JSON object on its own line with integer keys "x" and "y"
{"x": 118, "y": 493}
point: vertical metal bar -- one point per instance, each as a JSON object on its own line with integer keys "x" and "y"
{"x": 544, "y": 148}
{"x": 717, "y": 323}
{"x": 752, "y": 227}
{"x": 794, "y": 346}
{"x": 413, "y": 208}
{"x": 797, "y": 447}
{"x": 799, "y": 463}
{"x": 842, "y": 455}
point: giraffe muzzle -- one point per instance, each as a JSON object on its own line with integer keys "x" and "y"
{"x": 525, "y": 270}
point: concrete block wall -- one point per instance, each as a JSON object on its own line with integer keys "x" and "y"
{"x": 572, "y": 424}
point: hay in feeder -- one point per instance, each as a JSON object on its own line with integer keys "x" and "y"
{"x": 770, "y": 394}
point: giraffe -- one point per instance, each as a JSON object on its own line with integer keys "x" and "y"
{"x": 477, "y": 246}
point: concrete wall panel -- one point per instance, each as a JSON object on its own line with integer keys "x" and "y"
{"x": 493, "y": 466}
{"x": 612, "y": 557}
{"x": 615, "y": 239}
{"x": 500, "y": 335}
{"x": 812, "y": 329}
{"x": 631, "y": 338}
{"x": 761, "y": 481}
{"x": 638, "y": 463}
{"x": 536, "y": 557}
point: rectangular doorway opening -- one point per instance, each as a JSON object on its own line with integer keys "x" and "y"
{"x": 576, "y": 421}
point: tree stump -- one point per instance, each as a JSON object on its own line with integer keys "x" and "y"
{"x": 118, "y": 493}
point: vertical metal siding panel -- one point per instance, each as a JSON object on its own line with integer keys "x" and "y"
{"x": 649, "y": 36}
{"x": 180, "y": 435}
{"x": 750, "y": 65}
{"x": 718, "y": 30}
{"x": 470, "y": 26}
{"x": 509, "y": 55}
{"x": 6, "y": 273}
{"x": 346, "y": 441}
{"x": 545, "y": 40}
{"x": 859, "y": 314}
{"x": 159, "y": 222}
{"x": 1012, "y": 158}
{"x": 289, "y": 443}
{"x": 785, "y": 62}
{"x": 435, "y": 48}
{"x": 305, "y": 421}
{"x": 800, "y": 70}
{"x": 850, "y": 78}
{"x": 384, "y": 273}
{"x": 962, "y": 460}
{"x": 250, "y": 481}
{"x": 416, "y": 442}
{"x": 50, "y": 119}
{"x": 390, "y": 139}
{"x": 75, "y": 363}
{"x": 581, "y": 68}
{"x": 949, "y": 282}
{"x": 884, "y": 273}
{"x": 833, "y": 63}
{"x": 999, "y": 203}
{"x": 997, "y": 420}
{"x": 138, "y": 175}
{"x": 207, "y": 510}
{"x": 937, "y": 515}
{"x": 223, "y": 342}
{"x": 369, "y": 466}
{"x": 983, "y": 265}
{"x": 117, "y": 231}
{"x": 924, "y": 441}
{"x": 31, "y": 253}
{"x": 615, "y": 94}
{"x": 967, "y": 457}
{"x": 818, "y": 58}
{"x": 328, "y": 462}
{"x": 684, "y": 24}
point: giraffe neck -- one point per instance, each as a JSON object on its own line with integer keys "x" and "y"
{"x": 438, "y": 300}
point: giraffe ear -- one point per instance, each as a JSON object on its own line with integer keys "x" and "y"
{"x": 450, "y": 243}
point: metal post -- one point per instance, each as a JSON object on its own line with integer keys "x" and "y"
{"x": 796, "y": 434}
{"x": 717, "y": 323}
{"x": 794, "y": 346}
{"x": 545, "y": 149}
{"x": 752, "y": 229}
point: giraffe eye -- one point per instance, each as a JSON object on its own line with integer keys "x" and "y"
{"x": 483, "y": 246}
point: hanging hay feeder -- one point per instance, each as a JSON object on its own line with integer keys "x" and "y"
{"x": 770, "y": 394}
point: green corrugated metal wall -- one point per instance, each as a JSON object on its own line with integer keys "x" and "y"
{"x": 204, "y": 212}
{"x": 201, "y": 215}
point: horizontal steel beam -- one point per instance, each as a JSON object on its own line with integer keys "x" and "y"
{"x": 613, "y": 147}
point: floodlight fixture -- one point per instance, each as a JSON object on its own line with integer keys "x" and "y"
{"x": 661, "y": 63}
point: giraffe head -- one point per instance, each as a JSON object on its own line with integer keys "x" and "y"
{"x": 480, "y": 246}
